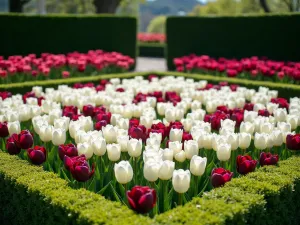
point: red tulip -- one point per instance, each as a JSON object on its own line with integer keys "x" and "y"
{"x": 283, "y": 103}
{"x": 104, "y": 116}
{"x": 141, "y": 199}
{"x": 220, "y": 176}
{"x": 263, "y": 112}
{"x": 37, "y": 155}
{"x": 245, "y": 164}
{"x": 3, "y": 129}
{"x": 134, "y": 122}
{"x": 249, "y": 106}
{"x": 65, "y": 74}
{"x": 100, "y": 124}
{"x": 293, "y": 141}
{"x": 23, "y": 140}
{"x": 232, "y": 73}
{"x": 88, "y": 110}
{"x": 137, "y": 132}
{"x": 266, "y": 159}
{"x": 68, "y": 150}
{"x": 11, "y": 146}
{"x": 79, "y": 168}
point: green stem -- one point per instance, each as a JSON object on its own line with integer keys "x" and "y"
{"x": 180, "y": 202}
{"x": 125, "y": 191}
{"x": 135, "y": 170}
{"x": 196, "y": 185}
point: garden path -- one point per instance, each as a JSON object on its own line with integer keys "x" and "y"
{"x": 150, "y": 64}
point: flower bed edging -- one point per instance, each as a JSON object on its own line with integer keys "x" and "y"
{"x": 30, "y": 195}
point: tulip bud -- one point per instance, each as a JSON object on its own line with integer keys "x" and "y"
{"x": 245, "y": 164}
{"x": 293, "y": 142}
{"x": 247, "y": 127}
{"x": 68, "y": 150}
{"x": 134, "y": 147}
{"x": 292, "y": 120}
{"x": 146, "y": 121}
{"x": 233, "y": 140}
{"x": 98, "y": 146}
{"x": 187, "y": 124}
{"x": 141, "y": 199}
{"x": 176, "y": 134}
{"x": 166, "y": 170}
{"x": 151, "y": 169}
{"x": 86, "y": 123}
{"x": 115, "y": 118}
{"x": 62, "y": 123}
{"x": 23, "y": 140}
{"x": 261, "y": 141}
{"x": 191, "y": 148}
{"x": 244, "y": 140}
{"x": 46, "y": 133}
{"x": 284, "y": 127}
{"x": 197, "y": 165}
{"x": 114, "y": 152}
{"x": 37, "y": 155}
{"x": 220, "y": 176}
{"x": 266, "y": 128}
{"x": 156, "y": 136}
{"x": 277, "y": 137}
{"x": 11, "y": 146}
{"x": 14, "y": 127}
{"x": 123, "y": 123}
{"x": 268, "y": 159}
{"x": 3, "y": 130}
{"x": 167, "y": 154}
{"x": 58, "y": 136}
{"x": 280, "y": 115}
{"x": 170, "y": 115}
{"x": 85, "y": 149}
{"x": 123, "y": 172}
{"x": 181, "y": 180}
{"x": 223, "y": 152}
{"x": 180, "y": 156}
{"x": 110, "y": 133}
{"x": 123, "y": 142}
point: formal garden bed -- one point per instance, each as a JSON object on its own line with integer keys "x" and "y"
{"x": 210, "y": 151}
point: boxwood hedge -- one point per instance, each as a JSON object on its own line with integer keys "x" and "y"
{"x": 24, "y": 34}
{"x": 151, "y": 49}
{"x": 29, "y": 195}
{"x": 272, "y": 35}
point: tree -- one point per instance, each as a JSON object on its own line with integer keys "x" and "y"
{"x": 264, "y": 5}
{"x": 17, "y": 5}
{"x": 106, "y": 6}
{"x": 157, "y": 25}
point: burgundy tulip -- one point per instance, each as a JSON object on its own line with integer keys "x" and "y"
{"x": 137, "y": 132}
{"x": 283, "y": 103}
{"x": 141, "y": 198}
{"x": 249, "y": 106}
{"x": 88, "y": 110}
{"x": 68, "y": 150}
{"x": 3, "y": 130}
{"x": 79, "y": 168}
{"x": 245, "y": 164}
{"x": 37, "y": 155}
{"x": 134, "y": 122}
{"x": 263, "y": 112}
{"x": 104, "y": 116}
{"x": 24, "y": 140}
{"x": 220, "y": 176}
{"x": 267, "y": 159}
{"x": 11, "y": 147}
{"x": 293, "y": 141}
{"x": 100, "y": 124}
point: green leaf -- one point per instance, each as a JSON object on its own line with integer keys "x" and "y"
{"x": 115, "y": 194}
{"x": 206, "y": 182}
{"x": 103, "y": 189}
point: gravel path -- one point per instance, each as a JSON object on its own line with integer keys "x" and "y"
{"x": 150, "y": 64}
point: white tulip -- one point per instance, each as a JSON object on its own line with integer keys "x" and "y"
{"x": 170, "y": 115}
{"x": 180, "y": 156}
{"x": 293, "y": 120}
{"x": 151, "y": 169}
{"x": 266, "y": 127}
{"x": 217, "y": 139}
{"x": 156, "y": 136}
{"x": 198, "y": 165}
{"x": 223, "y": 152}
{"x": 146, "y": 121}
{"x": 123, "y": 123}
{"x": 86, "y": 122}
{"x": 123, "y": 172}
{"x": 249, "y": 116}
{"x": 187, "y": 124}
{"x": 233, "y": 140}
{"x": 277, "y": 137}
{"x": 191, "y": 148}
{"x": 12, "y": 116}
{"x": 195, "y": 105}
{"x": 244, "y": 140}
{"x": 134, "y": 147}
{"x": 284, "y": 127}
{"x": 167, "y": 154}
{"x": 176, "y": 134}
{"x": 181, "y": 180}
{"x": 152, "y": 154}
{"x": 179, "y": 114}
{"x": 228, "y": 123}
{"x": 166, "y": 170}
{"x": 271, "y": 107}
{"x": 37, "y": 91}
{"x": 114, "y": 118}
{"x": 280, "y": 115}
{"x": 74, "y": 127}
{"x": 58, "y": 136}
{"x": 31, "y": 101}
{"x": 45, "y": 133}
{"x": 261, "y": 141}
{"x": 62, "y": 123}
{"x": 113, "y": 152}
{"x": 123, "y": 141}
{"x": 14, "y": 127}
{"x": 85, "y": 149}
{"x": 54, "y": 114}
{"x": 175, "y": 146}
{"x": 98, "y": 146}
{"x": 110, "y": 133}
{"x": 247, "y": 127}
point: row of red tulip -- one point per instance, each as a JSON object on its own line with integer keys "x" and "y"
{"x": 151, "y": 38}
{"x": 53, "y": 66}
{"x": 254, "y": 68}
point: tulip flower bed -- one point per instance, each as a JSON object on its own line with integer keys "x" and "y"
{"x": 54, "y": 66}
{"x": 253, "y": 68}
{"x": 150, "y": 144}
{"x": 151, "y": 38}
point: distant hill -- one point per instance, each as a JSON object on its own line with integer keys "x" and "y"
{"x": 152, "y": 9}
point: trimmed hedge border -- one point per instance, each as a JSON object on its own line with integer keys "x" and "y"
{"x": 285, "y": 90}
{"x": 234, "y": 36}
{"x": 151, "y": 49}
{"x": 30, "y": 195}
{"x": 56, "y": 33}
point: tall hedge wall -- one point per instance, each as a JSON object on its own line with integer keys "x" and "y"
{"x": 24, "y": 34}
{"x": 274, "y": 36}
